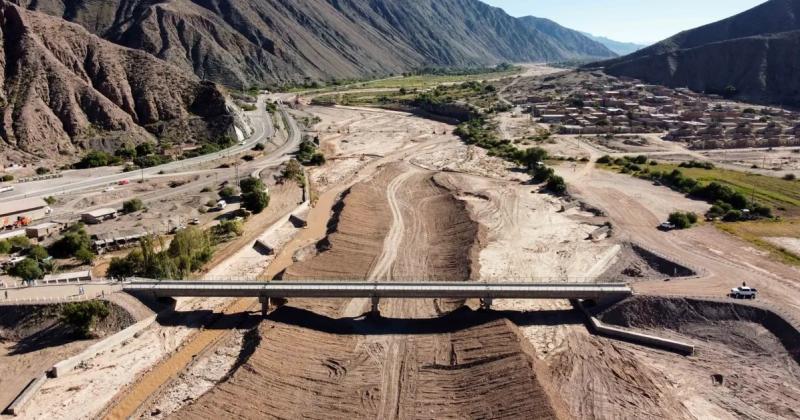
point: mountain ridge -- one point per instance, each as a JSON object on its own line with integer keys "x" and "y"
{"x": 250, "y": 42}
{"x": 751, "y": 55}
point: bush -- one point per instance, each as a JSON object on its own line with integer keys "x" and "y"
{"x": 682, "y": 220}
{"x": 604, "y": 159}
{"x": 696, "y": 164}
{"x": 73, "y": 241}
{"x": 293, "y": 170}
{"x": 85, "y": 256}
{"x": 38, "y": 253}
{"x": 640, "y": 160}
{"x": 5, "y": 247}
{"x": 42, "y": 170}
{"x": 732, "y": 216}
{"x": 27, "y": 269}
{"x": 7, "y": 178}
{"x": 556, "y": 185}
{"x": 790, "y": 177}
{"x": 228, "y": 192}
{"x": 96, "y": 159}
{"x": 19, "y": 243}
{"x": 82, "y": 316}
{"x": 259, "y": 147}
{"x": 132, "y": 206}
{"x": 50, "y": 200}
{"x": 226, "y": 229}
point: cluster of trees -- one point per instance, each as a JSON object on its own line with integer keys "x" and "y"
{"x": 82, "y": 316}
{"x": 96, "y": 159}
{"x": 254, "y": 195}
{"x": 463, "y": 71}
{"x": 309, "y": 155}
{"x": 683, "y": 220}
{"x": 188, "y": 251}
{"x": 75, "y": 243}
{"x": 697, "y": 164}
{"x": 37, "y": 261}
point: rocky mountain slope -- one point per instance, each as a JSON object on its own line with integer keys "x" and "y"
{"x": 65, "y": 90}
{"x": 755, "y": 52}
{"x": 245, "y": 42}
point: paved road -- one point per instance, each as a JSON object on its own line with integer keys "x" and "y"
{"x": 263, "y": 129}
{"x": 421, "y": 290}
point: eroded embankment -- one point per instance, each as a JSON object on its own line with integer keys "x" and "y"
{"x": 486, "y": 371}
{"x": 746, "y": 359}
{"x": 690, "y": 316}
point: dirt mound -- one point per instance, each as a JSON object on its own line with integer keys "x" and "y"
{"x": 41, "y": 322}
{"x": 700, "y": 318}
{"x": 635, "y": 263}
{"x": 480, "y": 372}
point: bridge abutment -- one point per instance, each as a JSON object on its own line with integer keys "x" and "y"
{"x": 375, "y": 310}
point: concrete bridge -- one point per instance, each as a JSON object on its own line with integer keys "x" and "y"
{"x": 486, "y": 292}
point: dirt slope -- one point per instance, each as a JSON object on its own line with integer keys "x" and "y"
{"x": 65, "y": 90}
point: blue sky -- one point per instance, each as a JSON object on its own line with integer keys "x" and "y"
{"x": 643, "y": 21}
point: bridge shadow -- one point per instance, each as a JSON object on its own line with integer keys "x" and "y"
{"x": 460, "y": 319}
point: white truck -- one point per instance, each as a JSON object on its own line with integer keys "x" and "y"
{"x": 744, "y": 292}
{"x": 6, "y": 188}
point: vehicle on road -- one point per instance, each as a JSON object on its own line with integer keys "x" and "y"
{"x": 124, "y": 182}
{"x": 108, "y": 189}
{"x": 221, "y": 204}
{"x": 6, "y": 188}
{"x": 744, "y": 292}
{"x": 195, "y": 221}
{"x": 666, "y": 226}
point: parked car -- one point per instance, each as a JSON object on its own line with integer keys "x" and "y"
{"x": 666, "y": 226}
{"x": 744, "y": 292}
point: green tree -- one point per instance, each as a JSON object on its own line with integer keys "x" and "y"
{"x": 28, "y": 270}
{"x": 682, "y": 220}
{"x": 5, "y": 247}
{"x": 145, "y": 149}
{"x": 38, "y": 253}
{"x": 75, "y": 239}
{"x": 42, "y": 170}
{"x": 95, "y": 159}
{"x": 83, "y": 316}
{"x": 132, "y": 206}
{"x": 85, "y": 255}
{"x": 19, "y": 243}
{"x": 254, "y": 195}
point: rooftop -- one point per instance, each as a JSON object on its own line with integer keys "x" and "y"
{"x": 18, "y": 206}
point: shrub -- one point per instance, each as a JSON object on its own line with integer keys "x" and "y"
{"x": 259, "y": 147}
{"x": 82, "y": 316}
{"x": 790, "y": 177}
{"x": 556, "y": 185}
{"x": 640, "y": 160}
{"x": 682, "y": 220}
{"x": 42, "y": 170}
{"x": 38, "y": 253}
{"x": 228, "y": 192}
{"x": 132, "y": 206}
{"x": 96, "y": 159}
{"x": 50, "y": 200}
{"x": 19, "y": 243}
{"x": 732, "y": 216}
{"x": 73, "y": 241}
{"x": 28, "y": 270}
{"x": 5, "y": 247}
{"x": 6, "y": 178}
{"x": 293, "y": 170}
{"x": 85, "y": 256}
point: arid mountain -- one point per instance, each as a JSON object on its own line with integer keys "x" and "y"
{"x": 240, "y": 42}
{"x": 755, "y": 52}
{"x": 65, "y": 90}
{"x": 618, "y": 47}
{"x": 568, "y": 41}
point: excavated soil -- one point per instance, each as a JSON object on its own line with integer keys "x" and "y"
{"x": 745, "y": 365}
{"x": 480, "y": 372}
{"x": 402, "y": 224}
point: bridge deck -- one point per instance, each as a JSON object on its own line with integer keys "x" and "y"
{"x": 463, "y": 290}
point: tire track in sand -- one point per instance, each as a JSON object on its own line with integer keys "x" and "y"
{"x": 382, "y": 269}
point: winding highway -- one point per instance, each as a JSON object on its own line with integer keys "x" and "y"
{"x": 263, "y": 130}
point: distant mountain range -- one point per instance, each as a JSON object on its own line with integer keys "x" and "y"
{"x": 754, "y": 56}
{"x": 619, "y": 48}
{"x": 253, "y": 42}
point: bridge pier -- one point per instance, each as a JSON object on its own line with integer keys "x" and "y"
{"x": 375, "y": 311}
{"x": 264, "y": 300}
{"x": 486, "y": 303}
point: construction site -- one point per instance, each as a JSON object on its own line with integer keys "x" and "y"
{"x": 402, "y": 199}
